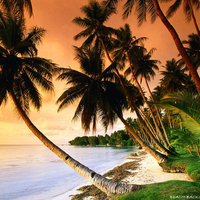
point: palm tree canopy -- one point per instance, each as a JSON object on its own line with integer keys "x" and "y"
{"x": 20, "y": 68}
{"x": 125, "y": 43}
{"x": 192, "y": 46}
{"x": 18, "y": 5}
{"x": 93, "y": 22}
{"x": 174, "y": 76}
{"x": 186, "y": 8}
{"x": 144, "y": 67}
{"x": 142, "y": 8}
{"x": 99, "y": 97}
{"x": 157, "y": 93}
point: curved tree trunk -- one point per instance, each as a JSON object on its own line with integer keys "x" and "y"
{"x": 157, "y": 155}
{"x": 165, "y": 133}
{"x": 179, "y": 45}
{"x": 142, "y": 93}
{"x": 161, "y": 147}
{"x": 105, "y": 185}
{"x": 156, "y": 142}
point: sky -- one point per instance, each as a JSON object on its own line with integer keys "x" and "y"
{"x": 56, "y": 17}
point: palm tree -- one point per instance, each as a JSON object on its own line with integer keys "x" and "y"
{"x": 192, "y": 46}
{"x": 144, "y": 68}
{"x": 21, "y": 71}
{"x": 127, "y": 48}
{"x": 174, "y": 78}
{"x": 153, "y": 7}
{"x": 157, "y": 93}
{"x": 95, "y": 30}
{"x": 100, "y": 97}
{"x": 92, "y": 21}
{"x": 187, "y": 9}
{"x": 100, "y": 100}
{"x": 21, "y": 6}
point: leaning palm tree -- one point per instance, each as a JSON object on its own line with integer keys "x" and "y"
{"x": 99, "y": 97}
{"x": 21, "y": 71}
{"x": 144, "y": 69}
{"x": 153, "y": 8}
{"x": 94, "y": 23}
{"x": 127, "y": 49}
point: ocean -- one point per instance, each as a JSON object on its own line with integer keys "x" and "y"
{"x": 33, "y": 172}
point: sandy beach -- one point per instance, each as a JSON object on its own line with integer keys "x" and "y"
{"x": 147, "y": 171}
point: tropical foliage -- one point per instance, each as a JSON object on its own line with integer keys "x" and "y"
{"x": 186, "y": 106}
{"x": 117, "y": 138}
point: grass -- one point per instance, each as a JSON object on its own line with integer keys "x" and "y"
{"x": 186, "y": 163}
{"x": 172, "y": 189}
{"x": 164, "y": 191}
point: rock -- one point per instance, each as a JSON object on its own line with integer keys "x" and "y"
{"x": 133, "y": 154}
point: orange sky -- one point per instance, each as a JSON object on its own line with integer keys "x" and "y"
{"x": 56, "y": 16}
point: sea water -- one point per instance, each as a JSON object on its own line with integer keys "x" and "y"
{"x": 33, "y": 172}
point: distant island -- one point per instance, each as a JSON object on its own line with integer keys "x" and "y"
{"x": 118, "y": 138}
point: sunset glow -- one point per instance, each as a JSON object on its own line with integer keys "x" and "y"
{"x": 56, "y": 17}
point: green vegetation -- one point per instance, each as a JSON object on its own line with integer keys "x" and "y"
{"x": 164, "y": 191}
{"x": 184, "y": 162}
{"x": 117, "y": 138}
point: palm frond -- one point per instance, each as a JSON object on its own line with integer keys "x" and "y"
{"x": 70, "y": 96}
{"x": 31, "y": 91}
{"x": 187, "y": 106}
{"x": 40, "y": 80}
{"x": 173, "y": 8}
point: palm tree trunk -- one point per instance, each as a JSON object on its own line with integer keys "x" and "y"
{"x": 179, "y": 45}
{"x": 130, "y": 98}
{"x": 154, "y": 120}
{"x": 105, "y": 185}
{"x": 157, "y": 155}
{"x": 156, "y": 142}
{"x": 158, "y": 114}
{"x": 193, "y": 18}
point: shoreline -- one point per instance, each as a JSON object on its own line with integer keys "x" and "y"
{"x": 139, "y": 168}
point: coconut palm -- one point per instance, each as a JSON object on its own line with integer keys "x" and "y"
{"x": 192, "y": 46}
{"x": 21, "y": 6}
{"x": 175, "y": 77}
{"x": 100, "y": 97}
{"x": 21, "y": 71}
{"x": 93, "y": 22}
{"x": 144, "y": 69}
{"x": 153, "y": 8}
{"x": 96, "y": 20}
{"x": 157, "y": 93}
{"x": 128, "y": 48}
{"x": 187, "y": 9}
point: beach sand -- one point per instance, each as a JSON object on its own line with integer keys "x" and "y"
{"x": 146, "y": 171}
{"x": 149, "y": 171}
